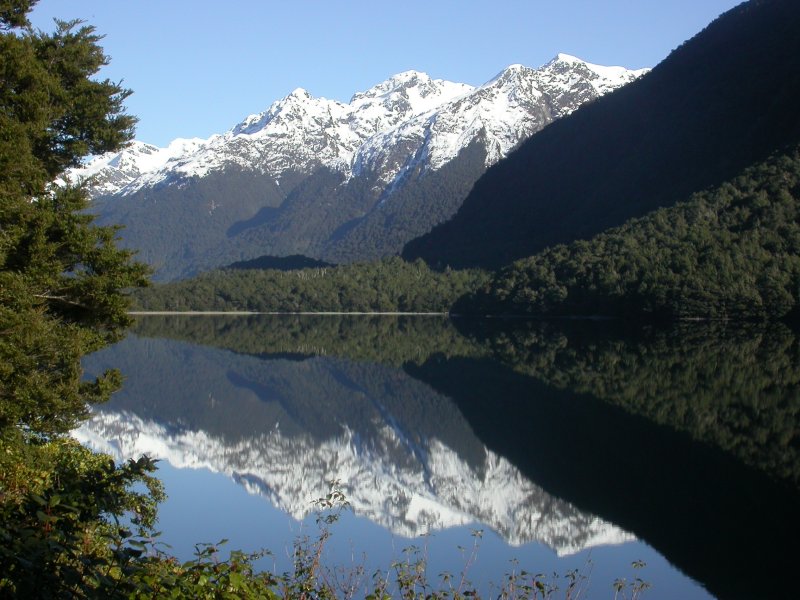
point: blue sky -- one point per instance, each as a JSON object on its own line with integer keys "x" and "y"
{"x": 199, "y": 67}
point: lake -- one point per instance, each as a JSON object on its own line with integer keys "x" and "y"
{"x": 486, "y": 446}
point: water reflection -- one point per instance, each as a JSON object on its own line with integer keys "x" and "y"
{"x": 573, "y": 434}
{"x": 283, "y": 428}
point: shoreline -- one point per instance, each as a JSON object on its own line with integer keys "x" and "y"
{"x": 307, "y": 313}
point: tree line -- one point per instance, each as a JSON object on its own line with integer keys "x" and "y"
{"x": 732, "y": 252}
{"x": 388, "y": 285}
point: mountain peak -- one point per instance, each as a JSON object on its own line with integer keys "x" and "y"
{"x": 561, "y": 72}
{"x": 401, "y": 97}
{"x": 510, "y": 74}
{"x": 567, "y": 58}
{"x": 299, "y": 100}
{"x": 410, "y": 75}
{"x": 394, "y": 83}
{"x": 299, "y": 93}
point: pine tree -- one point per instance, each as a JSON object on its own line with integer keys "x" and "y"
{"x": 60, "y": 275}
{"x": 61, "y": 296}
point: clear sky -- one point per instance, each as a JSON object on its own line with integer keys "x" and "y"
{"x": 199, "y": 67}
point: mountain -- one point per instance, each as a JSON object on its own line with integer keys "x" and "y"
{"x": 719, "y": 103}
{"x": 333, "y": 181}
{"x": 296, "y": 133}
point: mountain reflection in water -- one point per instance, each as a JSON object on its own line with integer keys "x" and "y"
{"x": 571, "y": 434}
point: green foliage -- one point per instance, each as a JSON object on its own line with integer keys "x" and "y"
{"x": 60, "y": 297}
{"x": 60, "y": 275}
{"x": 207, "y": 576}
{"x": 389, "y": 285}
{"x": 54, "y": 112}
{"x": 13, "y": 13}
{"x": 728, "y": 253}
{"x": 67, "y": 525}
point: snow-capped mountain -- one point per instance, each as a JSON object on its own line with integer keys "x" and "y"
{"x": 426, "y": 492}
{"x": 298, "y": 132}
{"x": 514, "y": 105}
{"x": 406, "y": 134}
{"x": 112, "y": 173}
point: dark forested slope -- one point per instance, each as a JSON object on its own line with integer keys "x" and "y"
{"x": 731, "y": 253}
{"x": 719, "y": 103}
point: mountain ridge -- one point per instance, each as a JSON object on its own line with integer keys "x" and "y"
{"x": 386, "y": 105}
{"x": 333, "y": 181}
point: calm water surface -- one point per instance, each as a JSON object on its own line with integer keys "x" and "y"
{"x": 567, "y": 445}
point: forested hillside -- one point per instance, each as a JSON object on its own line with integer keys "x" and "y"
{"x": 731, "y": 252}
{"x": 180, "y": 224}
{"x": 719, "y": 103}
{"x": 390, "y": 285}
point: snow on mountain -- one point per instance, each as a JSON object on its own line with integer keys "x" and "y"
{"x": 511, "y": 107}
{"x": 399, "y": 98}
{"x": 404, "y": 122}
{"x": 114, "y": 172}
{"x": 297, "y": 132}
{"x": 422, "y": 492}
{"x": 565, "y": 72}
